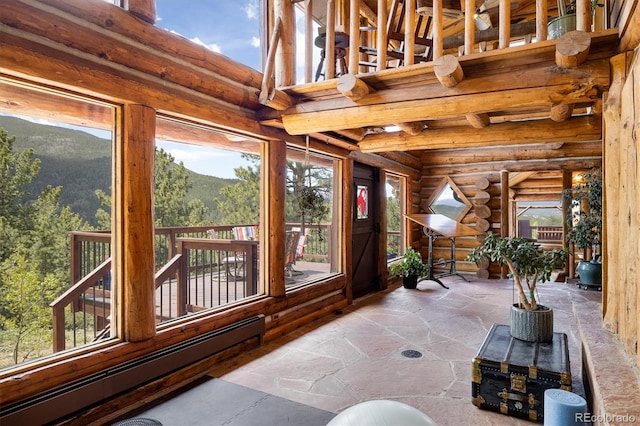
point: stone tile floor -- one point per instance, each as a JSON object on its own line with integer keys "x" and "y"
{"x": 343, "y": 359}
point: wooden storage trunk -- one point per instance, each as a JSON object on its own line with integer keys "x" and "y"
{"x": 510, "y": 375}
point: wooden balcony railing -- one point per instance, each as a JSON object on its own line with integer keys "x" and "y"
{"x": 194, "y": 272}
{"x": 468, "y": 38}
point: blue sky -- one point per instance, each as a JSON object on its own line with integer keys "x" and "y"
{"x": 228, "y": 27}
{"x": 231, "y": 28}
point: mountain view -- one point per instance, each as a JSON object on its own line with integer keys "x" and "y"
{"x": 81, "y": 163}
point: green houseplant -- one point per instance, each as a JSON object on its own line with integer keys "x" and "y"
{"x": 410, "y": 268}
{"x": 585, "y": 224}
{"x": 528, "y": 265}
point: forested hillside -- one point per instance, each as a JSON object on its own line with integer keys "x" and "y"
{"x": 81, "y": 163}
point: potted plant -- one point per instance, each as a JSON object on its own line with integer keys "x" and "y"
{"x": 585, "y": 225}
{"x": 528, "y": 264}
{"x": 410, "y": 268}
{"x": 566, "y": 19}
{"x": 313, "y": 207}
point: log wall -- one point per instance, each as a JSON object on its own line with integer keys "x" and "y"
{"x": 621, "y": 272}
{"x": 477, "y": 172}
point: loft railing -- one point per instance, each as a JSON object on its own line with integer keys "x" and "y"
{"x": 471, "y": 38}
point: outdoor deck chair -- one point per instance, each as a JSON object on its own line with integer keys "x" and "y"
{"x": 235, "y": 265}
{"x": 291, "y": 250}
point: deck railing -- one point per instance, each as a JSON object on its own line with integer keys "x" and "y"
{"x": 193, "y": 272}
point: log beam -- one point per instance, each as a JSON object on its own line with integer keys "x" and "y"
{"x": 413, "y": 129}
{"x": 572, "y": 49}
{"x": 429, "y": 109}
{"x": 323, "y": 95}
{"x": 561, "y": 112}
{"x": 352, "y": 87}
{"x": 448, "y": 71}
{"x": 578, "y": 129}
{"x": 478, "y": 121}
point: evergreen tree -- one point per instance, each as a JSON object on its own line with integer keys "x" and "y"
{"x": 171, "y": 185}
{"x": 25, "y": 314}
{"x": 34, "y": 253}
{"x": 16, "y": 172}
{"x": 239, "y": 204}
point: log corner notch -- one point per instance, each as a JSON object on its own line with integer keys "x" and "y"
{"x": 572, "y": 49}
{"x": 353, "y": 88}
{"x": 449, "y": 72}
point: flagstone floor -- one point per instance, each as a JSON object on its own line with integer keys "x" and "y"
{"x": 356, "y": 355}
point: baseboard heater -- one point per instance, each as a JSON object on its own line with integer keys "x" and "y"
{"x": 76, "y": 396}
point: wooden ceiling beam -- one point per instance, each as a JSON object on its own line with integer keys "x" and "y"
{"x": 403, "y": 158}
{"x": 376, "y": 160}
{"x": 426, "y": 109}
{"x": 443, "y": 157}
{"x": 578, "y": 129}
{"x": 580, "y": 163}
{"x": 519, "y": 177}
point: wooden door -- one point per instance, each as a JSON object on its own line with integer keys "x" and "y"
{"x": 366, "y": 230}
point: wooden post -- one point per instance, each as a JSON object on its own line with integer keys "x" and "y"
{"x": 135, "y": 182}
{"x": 409, "y": 29}
{"x": 330, "y": 42}
{"x": 275, "y": 194}
{"x": 285, "y": 55}
{"x": 308, "y": 41}
{"x": 437, "y": 29}
{"x": 469, "y": 27}
{"x": 347, "y": 226}
{"x": 354, "y": 36}
{"x": 504, "y": 210}
{"x": 505, "y": 24}
{"x": 567, "y": 182}
{"x": 583, "y": 15}
{"x": 382, "y": 241}
{"x": 542, "y": 7}
{"x": 381, "y": 60}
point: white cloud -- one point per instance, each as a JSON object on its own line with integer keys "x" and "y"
{"x": 213, "y": 46}
{"x": 204, "y": 160}
{"x": 255, "y": 42}
{"x": 252, "y": 9}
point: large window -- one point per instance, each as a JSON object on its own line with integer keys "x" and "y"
{"x": 312, "y": 210}
{"x": 541, "y": 220}
{"x": 207, "y": 187}
{"x": 394, "y": 192}
{"x": 56, "y": 286}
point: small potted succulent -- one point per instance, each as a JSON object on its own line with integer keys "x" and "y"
{"x": 410, "y": 268}
{"x": 528, "y": 265}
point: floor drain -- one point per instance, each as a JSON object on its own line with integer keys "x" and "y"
{"x": 138, "y": 421}
{"x": 411, "y": 354}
